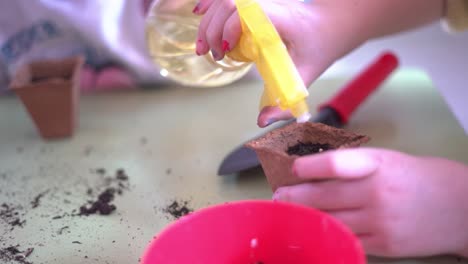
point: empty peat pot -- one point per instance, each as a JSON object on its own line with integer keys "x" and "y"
{"x": 49, "y": 90}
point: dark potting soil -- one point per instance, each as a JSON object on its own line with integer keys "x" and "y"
{"x": 11, "y": 215}
{"x": 121, "y": 175}
{"x": 178, "y": 209}
{"x": 60, "y": 231}
{"x": 101, "y": 194}
{"x": 103, "y": 203}
{"x": 101, "y": 171}
{"x": 302, "y": 149}
{"x": 14, "y": 254}
{"x": 37, "y": 200}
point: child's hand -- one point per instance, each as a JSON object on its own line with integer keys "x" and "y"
{"x": 317, "y": 33}
{"x": 398, "y": 205}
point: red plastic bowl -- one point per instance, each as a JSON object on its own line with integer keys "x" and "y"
{"x": 254, "y": 232}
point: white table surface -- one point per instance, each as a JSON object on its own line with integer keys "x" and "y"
{"x": 188, "y": 131}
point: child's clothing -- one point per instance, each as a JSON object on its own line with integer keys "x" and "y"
{"x": 106, "y": 32}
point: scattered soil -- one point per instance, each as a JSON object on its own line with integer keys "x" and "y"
{"x": 302, "y": 149}
{"x": 60, "y": 231}
{"x": 121, "y": 175}
{"x": 102, "y": 204}
{"x": 178, "y": 209}
{"x": 11, "y": 215}
{"x": 98, "y": 198}
{"x": 101, "y": 171}
{"x": 13, "y": 254}
{"x": 37, "y": 200}
{"x": 100, "y": 193}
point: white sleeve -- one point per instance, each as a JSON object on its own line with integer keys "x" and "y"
{"x": 31, "y": 30}
{"x": 117, "y": 30}
{"x": 106, "y": 33}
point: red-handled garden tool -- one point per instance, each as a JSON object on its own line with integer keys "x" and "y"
{"x": 336, "y": 112}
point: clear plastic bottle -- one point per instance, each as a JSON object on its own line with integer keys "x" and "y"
{"x": 171, "y": 34}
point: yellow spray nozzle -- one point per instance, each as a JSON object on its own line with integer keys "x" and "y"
{"x": 261, "y": 43}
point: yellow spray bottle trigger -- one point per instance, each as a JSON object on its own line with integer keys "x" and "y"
{"x": 261, "y": 44}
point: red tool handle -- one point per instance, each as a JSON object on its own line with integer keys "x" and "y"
{"x": 357, "y": 90}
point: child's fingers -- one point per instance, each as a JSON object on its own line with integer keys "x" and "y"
{"x": 309, "y": 72}
{"x": 214, "y": 32}
{"x": 373, "y": 244}
{"x": 202, "y": 46}
{"x": 232, "y": 31}
{"x": 202, "y": 6}
{"x": 272, "y": 114}
{"x": 345, "y": 164}
{"x": 328, "y": 195}
{"x": 356, "y": 220}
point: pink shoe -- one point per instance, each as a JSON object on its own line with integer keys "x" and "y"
{"x": 112, "y": 78}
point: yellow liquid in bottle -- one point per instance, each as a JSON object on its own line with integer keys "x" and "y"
{"x": 171, "y": 35}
